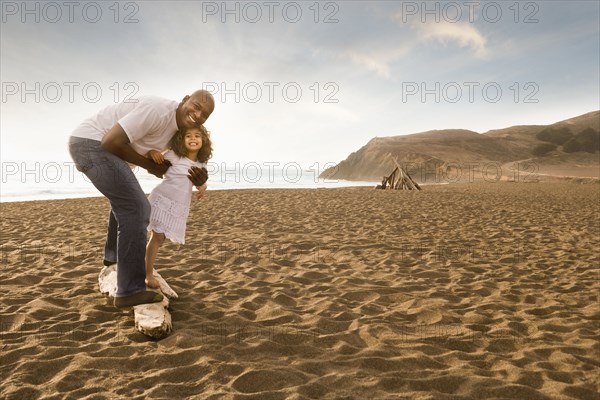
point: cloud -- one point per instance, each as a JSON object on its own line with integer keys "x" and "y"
{"x": 371, "y": 62}
{"x": 462, "y": 33}
{"x": 378, "y": 58}
{"x": 379, "y": 54}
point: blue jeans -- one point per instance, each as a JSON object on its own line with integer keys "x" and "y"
{"x": 129, "y": 214}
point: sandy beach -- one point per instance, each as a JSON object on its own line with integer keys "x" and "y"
{"x": 467, "y": 291}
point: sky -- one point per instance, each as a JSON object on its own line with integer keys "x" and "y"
{"x": 307, "y": 82}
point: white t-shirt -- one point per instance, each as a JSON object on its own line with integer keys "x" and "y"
{"x": 149, "y": 123}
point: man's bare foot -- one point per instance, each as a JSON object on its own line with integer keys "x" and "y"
{"x": 152, "y": 282}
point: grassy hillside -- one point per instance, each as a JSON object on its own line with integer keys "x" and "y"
{"x": 569, "y": 144}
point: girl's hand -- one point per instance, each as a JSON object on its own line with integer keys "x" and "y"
{"x": 156, "y": 156}
{"x": 201, "y": 191}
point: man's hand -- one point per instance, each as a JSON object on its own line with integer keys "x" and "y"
{"x": 156, "y": 156}
{"x": 198, "y": 176}
{"x": 159, "y": 170}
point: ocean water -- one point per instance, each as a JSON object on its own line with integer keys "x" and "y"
{"x": 37, "y": 180}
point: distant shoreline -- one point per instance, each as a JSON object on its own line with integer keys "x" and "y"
{"x": 549, "y": 179}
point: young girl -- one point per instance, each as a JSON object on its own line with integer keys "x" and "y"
{"x": 170, "y": 200}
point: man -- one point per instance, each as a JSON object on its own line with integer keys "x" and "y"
{"x": 103, "y": 145}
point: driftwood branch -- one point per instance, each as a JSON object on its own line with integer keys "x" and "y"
{"x": 399, "y": 179}
{"x": 153, "y": 319}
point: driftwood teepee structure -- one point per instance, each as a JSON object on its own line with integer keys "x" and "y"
{"x": 399, "y": 179}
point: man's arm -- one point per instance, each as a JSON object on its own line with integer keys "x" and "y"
{"x": 116, "y": 141}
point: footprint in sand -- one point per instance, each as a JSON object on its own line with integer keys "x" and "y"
{"x": 267, "y": 380}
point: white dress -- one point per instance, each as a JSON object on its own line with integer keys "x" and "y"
{"x": 170, "y": 200}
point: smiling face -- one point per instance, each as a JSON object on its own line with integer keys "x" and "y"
{"x": 193, "y": 140}
{"x": 193, "y": 143}
{"x": 194, "y": 110}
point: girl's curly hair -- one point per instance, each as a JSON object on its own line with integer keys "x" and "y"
{"x": 177, "y": 144}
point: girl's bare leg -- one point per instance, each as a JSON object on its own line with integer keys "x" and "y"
{"x": 156, "y": 240}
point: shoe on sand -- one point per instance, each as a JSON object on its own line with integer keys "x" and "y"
{"x": 144, "y": 297}
{"x": 108, "y": 263}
